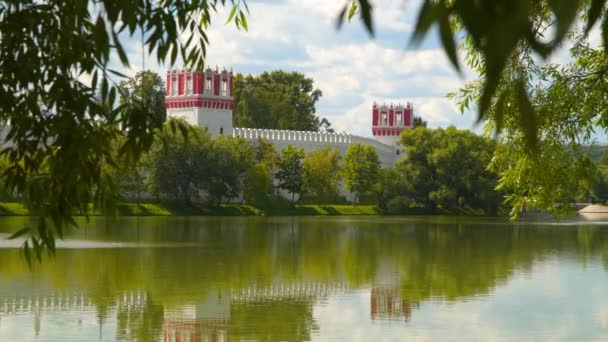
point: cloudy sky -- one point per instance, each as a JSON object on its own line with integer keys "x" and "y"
{"x": 350, "y": 68}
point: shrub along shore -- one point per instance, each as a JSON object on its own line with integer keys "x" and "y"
{"x": 157, "y": 209}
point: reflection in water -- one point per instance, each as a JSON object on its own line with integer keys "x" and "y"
{"x": 268, "y": 279}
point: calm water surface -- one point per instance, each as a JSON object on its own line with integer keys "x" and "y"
{"x": 321, "y": 279}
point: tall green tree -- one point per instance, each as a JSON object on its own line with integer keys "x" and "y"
{"x": 276, "y": 100}
{"x": 289, "y": 171}
{"x": 258, "y": 183}
{"x": 321, "y": 173}
{"x": 180, "y": 163}
{"x": 58, "y": 96}
{"x": 230, "y": 159}
{"x": 145, "y": 89}
{"x": 448, "y": 168}
{"x": 360, "y": 169}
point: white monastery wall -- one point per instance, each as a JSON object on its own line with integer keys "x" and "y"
{"x": 310, "y": 141}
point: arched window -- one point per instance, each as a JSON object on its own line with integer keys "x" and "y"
{"x": 221, "y": 130}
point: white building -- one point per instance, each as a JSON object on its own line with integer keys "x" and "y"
{"x": 206, "y": 99}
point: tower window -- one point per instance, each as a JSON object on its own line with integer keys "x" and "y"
{"x": 174, "y": 86}
{"x": 208, "y": 86}
{"x": 399, "y": 119}
{"x": 221, "y": 130}
{"x": 384, "y": 119}
{"x": 224, "y": 87}
{"x": 189, "y": 86}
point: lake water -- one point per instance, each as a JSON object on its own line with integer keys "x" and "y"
{"x": 320, "y": 279}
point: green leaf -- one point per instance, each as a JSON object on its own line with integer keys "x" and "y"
{"x": 565, "y": 12}
{"x": 447, "y": 39}
{"x": 122, "y": 55}
{"x": 340, "y": 18}
{"x": 426, "y": 17}
{"x": 527, "y": 116}
{"x": 244, "y": 21}
{"x": 232, "y": 13}
{"x": 19, "y": 233}
{"x": 595, "y": 11}
{"x": 605, "y": 33}
{"x": 353, "y": 11}
{"x": 366, "y": 15}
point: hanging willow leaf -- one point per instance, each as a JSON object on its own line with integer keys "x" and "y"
{"x": 353, "y": 10}
{"x": 340, "y": 18}
{"x": 594, "y": 13}
{"x": 605, "y": 33}
{"x": 527, "y": 116}
{"x": 447, "y": 39}
{"x": 366, "y": 15}
{"x": 565, "y": 12}
{"x": 232, "y": 13}
{"x": 426, "y": 17}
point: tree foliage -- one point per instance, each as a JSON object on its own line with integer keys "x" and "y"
{"x": 276, "y": 100}
{"x": 321, "y": 173}
{"x": 231, "y": 158}
{"x": 179, "y": 163}
{"x": 360, "y": 169}
{"x": 147, "y": 90}
{"x": 448, "y": 168}
{"x": 63, "y": 129}
{"x": 289, "y": 171}
{"x": 568, "y": 100}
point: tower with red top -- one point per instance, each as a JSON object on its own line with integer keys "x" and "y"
{"x": 389, "y": 121}
{"x": 202, "y": 98}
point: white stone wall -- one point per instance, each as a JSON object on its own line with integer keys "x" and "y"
{"x": 217, "y": 121}
{"x": 316, "y": 140}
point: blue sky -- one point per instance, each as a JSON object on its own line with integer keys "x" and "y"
{"x": 352, "y": 69}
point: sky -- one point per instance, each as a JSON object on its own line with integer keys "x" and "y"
{"x": 352, "y": 69}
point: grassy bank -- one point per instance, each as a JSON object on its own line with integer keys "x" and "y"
{"x": 156, "y": 209}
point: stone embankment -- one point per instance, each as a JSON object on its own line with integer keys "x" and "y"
{"x": 594, "y": 209}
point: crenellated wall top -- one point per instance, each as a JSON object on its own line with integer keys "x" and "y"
{"x": 308, "y": 137}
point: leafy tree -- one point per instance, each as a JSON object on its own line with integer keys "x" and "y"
{"x": 257, "y": 186}
{"x": 146, "y": 89}
{"x": 360, "y": 169}
{"x": 448, "y": 168}
{"x": 230, "y": 159}
{"x": 180, "y": 163}
{"x": 391, "y": 191}
{"x": 419, "y": 121}
{"x": 62, "y": 128}
{"x": 258, "y": 183}
{"x": 266, "y": 152}
{"x": 321, "y": 173}
{"x": 276, "y": 100}
{"x": 289, "y": 171}
{"x": 566, "y": 101}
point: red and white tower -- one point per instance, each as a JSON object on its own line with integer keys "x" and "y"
{"x": 201, "y": 98}
{"x": 389, "y": 121}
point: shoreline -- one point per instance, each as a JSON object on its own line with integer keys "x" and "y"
{"x": 157, "y": 209}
